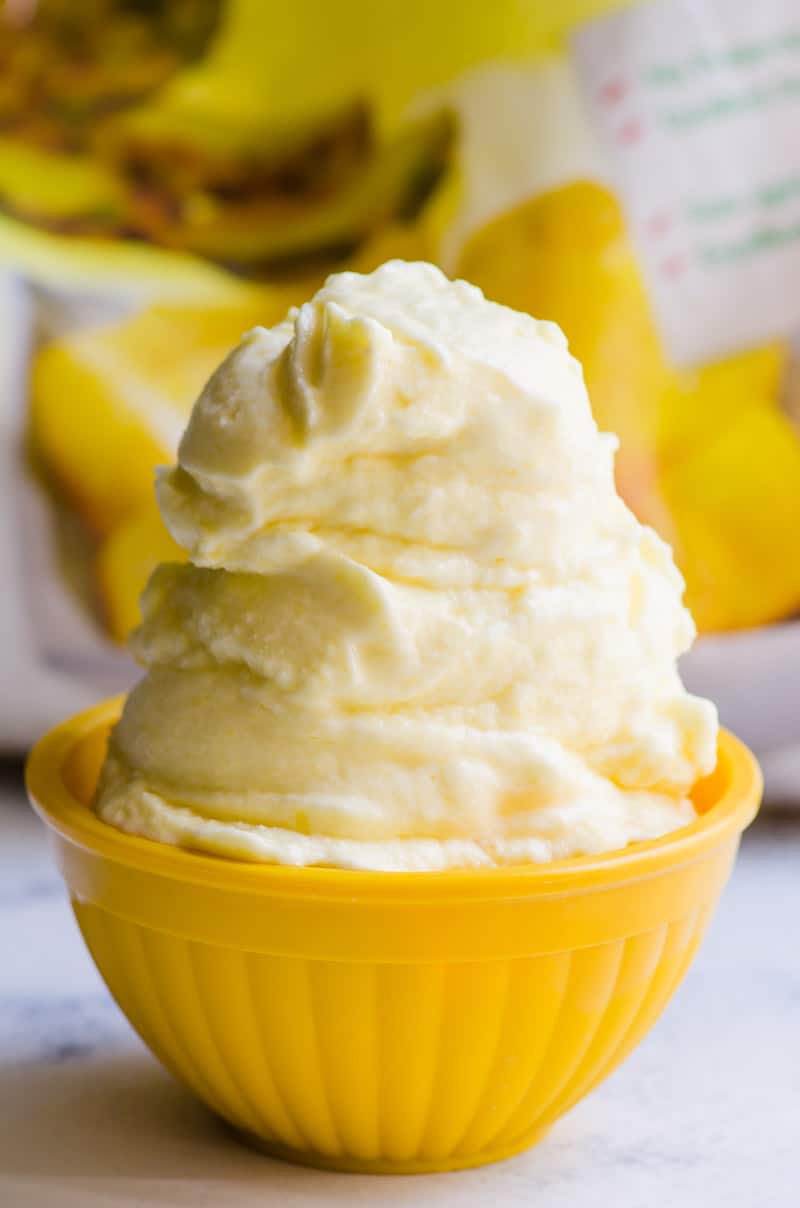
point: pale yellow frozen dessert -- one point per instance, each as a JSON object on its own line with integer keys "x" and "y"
{"x": 419, "y": 628}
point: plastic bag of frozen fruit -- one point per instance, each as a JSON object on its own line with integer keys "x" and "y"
{"x": 171, "y": 175}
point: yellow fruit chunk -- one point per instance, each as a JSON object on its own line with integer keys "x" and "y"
{"x": 735, "y": 506}
{"x": 109, "y": 403}
{"x": 124, "y": 563}
{"x": 698, "y": 404}
{"x": 565, "y": 256}
{"x": 705, "y": 457}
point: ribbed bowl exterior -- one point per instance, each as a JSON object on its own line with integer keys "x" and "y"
{"x": 387, "y": 1022}
{"x": 405, "y": 1067}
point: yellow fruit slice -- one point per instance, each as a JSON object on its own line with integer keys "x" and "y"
{"x": 735, "y": 506}
{"x": 124, "y": 563}
{"x": 109, "y": 403}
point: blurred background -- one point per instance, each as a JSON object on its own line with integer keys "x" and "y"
{"x": 172, "y": 174}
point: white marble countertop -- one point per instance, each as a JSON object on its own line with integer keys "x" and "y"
{"x": 706, "y": 1112}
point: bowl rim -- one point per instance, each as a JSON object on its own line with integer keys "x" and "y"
{"x": 74, "y": 821}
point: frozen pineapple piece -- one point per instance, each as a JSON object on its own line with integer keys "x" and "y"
{"x": 124, "y": 563}
{"x": 698, "y": 404}
{"x": 735, "y": 507}
{"x": 109, "y": 403}
{"x": 565, "y": 256}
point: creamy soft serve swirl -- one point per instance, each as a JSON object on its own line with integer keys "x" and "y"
{"x": 419, "y": 628}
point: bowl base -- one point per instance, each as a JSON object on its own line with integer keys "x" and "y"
{"x": 347, "y": 1165}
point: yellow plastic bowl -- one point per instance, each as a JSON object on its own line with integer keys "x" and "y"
{"x": 392, "y": 1022}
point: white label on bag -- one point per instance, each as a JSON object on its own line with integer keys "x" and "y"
{"x": 698, "y": 103}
